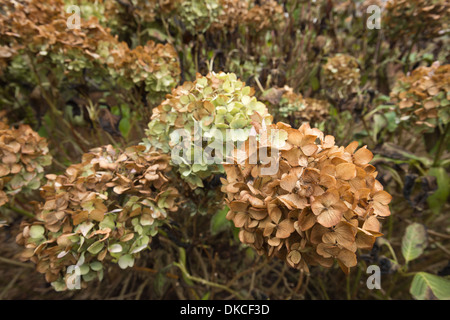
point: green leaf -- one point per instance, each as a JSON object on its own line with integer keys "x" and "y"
{"x": 219, "y": 222}
{"x": 437, "y": 200}
{"x": 427, "y": 286}
{"x": 125, "y": 126}
{"x": 315, "y": 85}
{"x": 206, "y": 295}
{"x": 414, "y": 241}
{"x": 159, "y": 282}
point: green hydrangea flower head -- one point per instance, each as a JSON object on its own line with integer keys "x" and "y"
{"x": 208, "y": 113}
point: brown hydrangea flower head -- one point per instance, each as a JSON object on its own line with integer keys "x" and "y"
{"x": 105, "y": 209}
{"x": 248, "y": 13}
{"x": 406, "y": 19}
{"x": 154, "y": 65}
{"x": 321, "y": 205}
{"x": 204, "y": 109}
{"x": 342, "y": 74}
{"x": 197, "y": 15}
{"x": 296, "y": 109}
{"x": 423, "y": 96}
{"x": 232, "y": 15}
{"x": 23, "y": 156}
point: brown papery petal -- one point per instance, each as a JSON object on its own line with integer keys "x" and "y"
{"x": 347, "y": 257}
{"x": 382, "y": 197}
{"x": 306, "y": 219}
{"x": 293, "y": 201}
{"x": 381, "y": 209}
{"x": 371, "y": 224}
{"x": 288, "y": 182}
{"x": 238, "y": 206}
{"x": 294, "y": 257}
{"x": 329, "y": 218}
{"x": 345, "y": 171}
{"x": 352, "y": 147}
{"x": 284, "y": 229}
{"x": 309, "y": 149}
{"x": 240, "y": 219}
{"x": 363, "y": 156}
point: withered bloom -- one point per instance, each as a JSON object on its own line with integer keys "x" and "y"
{"x": 342, "y": 74}
{"x": 106, "y": 208}
{"x": 23, "y": 156}
{"x": 321, "y": 205}
{"x": 297, "y": 109}
{"x": 406, "y": 19}
{"x": 423, "y": 96}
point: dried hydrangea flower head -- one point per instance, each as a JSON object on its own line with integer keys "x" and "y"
{"x": 405, "y": 19}
{"x": 106, "y": 208}
{"x": 202, "y": 111}
{"x": 232, "y": 15}
{"x": 257, "y": 16}
{"x": 268, "y": 14}
{"x": 153, "y": 65}
{"x": 423, "y": 96}
{"x": 23, "y": 156}
{"x": 321, "y": 205}
{"x": 296, "y": 109}
{"x": 197, "y": 15}
{"x": 342, "y": 74}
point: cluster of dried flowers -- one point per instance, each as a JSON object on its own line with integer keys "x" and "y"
{"x": 212, "y": 104}
{"x": 322, "y": 204}
{"x": 423, "y": 97}
{"x": 153, "y": 65}
{"x": 296, "y": 109}
{"x": 197, "y": 15}
{"x": 265, "y": 15}
{"x": 342, "y": 74}
{"x": 23, "y": 156}
{"x": 406, "y": 19}
{"x": 255, "y": 15}
{"x": 106, "y": 208}
{"x": 39, "y": 29}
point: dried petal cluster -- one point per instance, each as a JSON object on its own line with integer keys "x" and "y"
{"x": 23, "y": 156}
{"x": 248, "y": 13}
{"x": 106, "y": 208}
{"x": 154, "y": 65}
{"x": 342, "y": 74}
{"x": 212, "y": 104}
{"x": 405, "y": 19}
{"x": 265, "y": 15}
{"x": 197, "y": 15}
{"x": 423, "y": 97}
{"x": 296, "y": 109}
{"x": 321, "y": 205}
